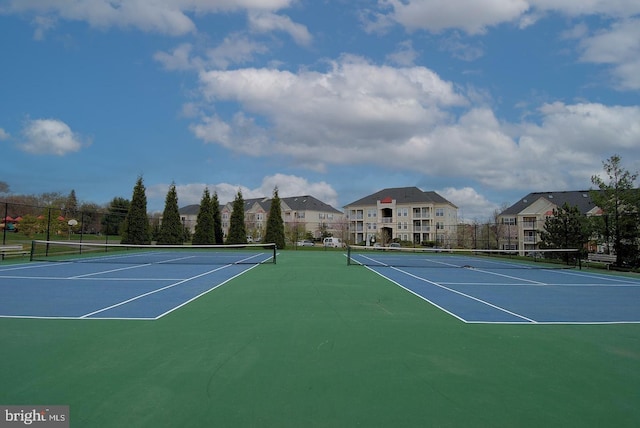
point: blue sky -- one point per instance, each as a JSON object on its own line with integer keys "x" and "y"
{"x": 482, "y": 102}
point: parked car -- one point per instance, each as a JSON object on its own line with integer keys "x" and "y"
{"x": 394, "y": 246}
{"x": 333, "y": 242}
{"x": 305, "y": 243}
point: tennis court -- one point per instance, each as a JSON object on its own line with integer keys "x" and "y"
{"x": 478, "y": 287}
{"x": 120, "y": 282}
{"x": 310, "y": 342}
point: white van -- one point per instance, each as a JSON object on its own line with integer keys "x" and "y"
{"x": 333, "y": 242}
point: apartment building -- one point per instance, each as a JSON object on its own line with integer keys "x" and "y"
{"x": 403, "y": 214}
{"x": 519, "y": 225}
{"x": 300, "y": 214}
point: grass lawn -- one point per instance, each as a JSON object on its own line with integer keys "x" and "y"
{"x": 311, "y": 342}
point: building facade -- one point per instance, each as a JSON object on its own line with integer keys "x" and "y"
{"x": 402, "y": 214}
{"x": 519, "y": 226}
{"x": 300, "y": 214}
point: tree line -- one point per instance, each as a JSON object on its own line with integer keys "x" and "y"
{"x": 617, "y": 229}
{"x": 137, "y": 229}
{"x": 130, "y": 220}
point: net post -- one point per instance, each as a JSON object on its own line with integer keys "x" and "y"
{"x": 275, "y": 251}
{"x": 348, "y": 255}
{"x": 33, "y": 250}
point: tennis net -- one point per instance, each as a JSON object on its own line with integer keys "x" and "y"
{"x": 462, "y": 258}
{"x": 92, "y": 252}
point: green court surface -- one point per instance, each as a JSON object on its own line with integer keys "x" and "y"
{"x": 311, "y": 342}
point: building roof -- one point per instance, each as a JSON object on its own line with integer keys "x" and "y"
{"x": 190, "y": 209}
{"x": 402, "y": 195}
{"x": 296, "y": 203}
{"x": 577, "y": 198}
{"x": 308, "y": 203}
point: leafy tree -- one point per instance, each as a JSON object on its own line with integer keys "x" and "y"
{"x": 88, "y": 218}
{"x": 114, "y": 218}
{"x": 217, "y": 219}
{"x": 237, "y": 228}
{"x": 137, "y": 229}
{"x": 568, "y": 228}
{"x": 4, "y": 187}
{"x": 204, "y": 230}
{"x": 274, "y": 232}
{"x": 619, "y": 202}
{"x": 171, "y": 228}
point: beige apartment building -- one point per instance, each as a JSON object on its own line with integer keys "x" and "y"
{"x": 402, "y": 214}
{"x": 519, "y": 225}
{"x": 300, "y": 214}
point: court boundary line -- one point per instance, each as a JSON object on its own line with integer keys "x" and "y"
{"x": 153, "y": 292}
{"x": 90, "y": 316}
{"x": 532, "y": 322}
{"x": 491, "y": 305}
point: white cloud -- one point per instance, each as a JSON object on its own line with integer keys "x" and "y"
{"x": 264, "y": 22}
{"x": 236, "y": 48}
{"x": 475, "y": 17}
{"x": 178, "y": 59}
{"x": 410, "y": 119}
{"x": 4, "y": 135}
{"x": 619, "y": 47}
{"x": 50, "y": 136}
{"x": 161, "y": 16}
{"x": 288, "y": 185}
{"x": 471, "y": 205}
{"x": 471, "y": 16}
{"x": 405, "y": 55}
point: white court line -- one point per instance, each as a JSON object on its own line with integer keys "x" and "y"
{"x": 204, "y": 292}
{"x": 507, "y": 276}
{"x": 463, "y": 295}
{"x": 152, "y": 292}
{"x": 108, "y": 271}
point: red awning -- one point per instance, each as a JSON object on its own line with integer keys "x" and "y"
{"x": 8, "y": 218}
{"x": 386, "y": 200}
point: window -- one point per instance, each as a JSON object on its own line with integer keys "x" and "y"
{"x": 439, "y": 212}
{"x": 403, "y": 212}
{"x": 371, "y": 213}
{"x": 509, "y": 220}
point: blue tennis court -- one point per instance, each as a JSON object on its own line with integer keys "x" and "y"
{"x": 139, "y": 285}
{"x": 523, "y": 295}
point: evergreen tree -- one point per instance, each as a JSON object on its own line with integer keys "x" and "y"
{"x": 204, "y": 230}
{"x": 114, "y": 218}
{"x": 217, "y": 220}
{"x": 70, "y": 210}
{"x": 137, "y": 229}
{"x": 237, "y": 228}
{"x": 619, "y": 202}
{"x": 171, "y": 228}
{"x": 568, "y": 228}
{"x": 275, "y": 225}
